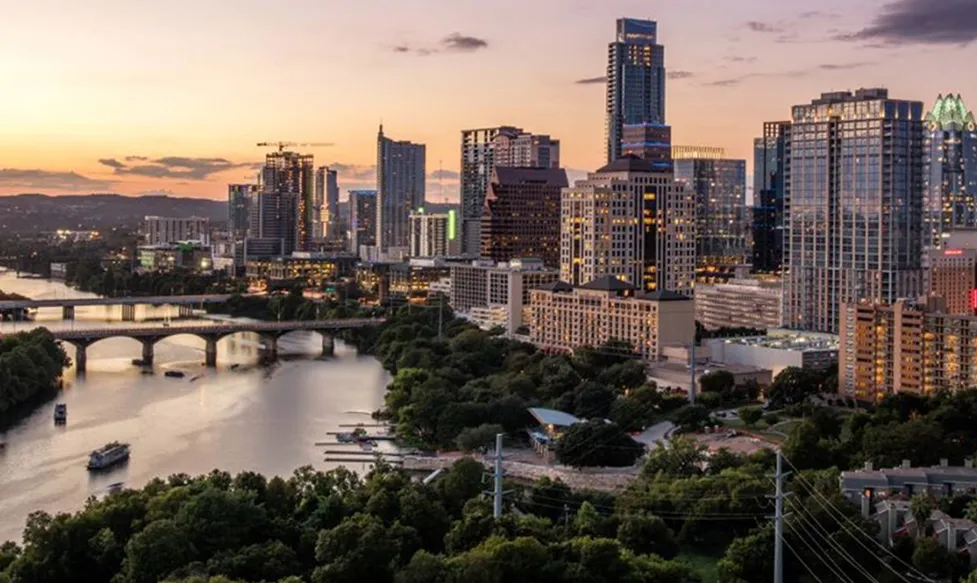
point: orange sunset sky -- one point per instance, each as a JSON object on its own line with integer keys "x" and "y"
{"x": 151, "y": 96}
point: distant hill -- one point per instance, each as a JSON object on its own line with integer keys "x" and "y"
{"x": 26, "y": 213}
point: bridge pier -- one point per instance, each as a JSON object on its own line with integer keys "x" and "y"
{"x": 81, "y": 359}
{"x": 68, "y": 313}
{"x": 186, "y": 311}
{"x": 128, "y": 313}
{"x": 148, "y": 351}
{"x": 269, "y": 351}
{"x": 328, "y": 345}
{"x": 211, "y": 353}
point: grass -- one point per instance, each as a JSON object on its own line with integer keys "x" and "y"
{"x": 703, "y": 564}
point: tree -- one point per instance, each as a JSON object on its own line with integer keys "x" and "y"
{"x": 921, "y": 506}
{"x": 647, "y": 534}
{"x": 156, "y": 551}
{"x": 931, "y": 558}
{"x": 597, "y": 443}
{"x": 691, "y": 417}
{"x": 680, "y": 457}
{"x": 750, "y": 415}
{"x": 720, "y": 381}
{"x": 748, "y": 559}
{"x": 792, "y": 386}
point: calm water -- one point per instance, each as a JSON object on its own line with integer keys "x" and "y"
{"x": 245, "y": 418}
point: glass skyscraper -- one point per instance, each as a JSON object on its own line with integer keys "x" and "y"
{"x": 951, "y": 169}
{"x": 770, "y": 159}
{"x": 635, "y": 80}
{"x": 401, "y": 180}
{"x": 855, "y": 185}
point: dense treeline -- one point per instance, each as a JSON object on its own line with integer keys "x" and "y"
{"x": 333, "y": 527}
{"x": 292, "y": 306}
{"x": 31, "y": 363}
{"x": 465, "y": 378}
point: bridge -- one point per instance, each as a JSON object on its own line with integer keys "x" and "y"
{"x": 68, "y": 305}
{"x": 268, "y": 332}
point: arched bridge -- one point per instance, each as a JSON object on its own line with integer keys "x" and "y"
{"x": 269, "y": 332}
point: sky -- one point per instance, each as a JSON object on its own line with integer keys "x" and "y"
{"x": 172, "y": 97}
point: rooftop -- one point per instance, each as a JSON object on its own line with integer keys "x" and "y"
{"x": 553, "y": 417}
{"x": 556, "y": 177}
{"x": 608, "y": 283}
{"x": 664, "y": 296}
{"x": 949, "y": 111}
{"x": 627, "y": 164}
{"x": 794, "y": 342}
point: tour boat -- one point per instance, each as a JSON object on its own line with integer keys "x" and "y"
{"x": 108, "y": 455}
{"x": 60, "y": 413}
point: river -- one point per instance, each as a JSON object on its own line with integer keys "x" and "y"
{"x": 236, "y": 417}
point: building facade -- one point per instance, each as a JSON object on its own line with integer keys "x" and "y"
{"x": 284, "y": 216}
{"x": 629, "y": 221}
{"x": 635, "y": 80}
{"x": 952, "y": 277}
{"x": 309, "y": 269}
{"x": 722, "y": 234}
{"x": 563, "y": 317}
{"x": 481, "y": 151}
{"x": 241, "y": 200}
{"x": 428, "y": 234}
{"x": 651, "y": 141}
{"x": 401, "y": 183}
{"x": 855, "y": 185}
{"x": 951, "y": 169}
{"x": 162, "y": 231}
{"x": 739, "y": 303}
{"x": 521, "y": 217}
{"x": 486, "y": 284}
{"x": 327, "y": 202}
{"x": 362, "y": 219}
{"x": 771, "y": 157}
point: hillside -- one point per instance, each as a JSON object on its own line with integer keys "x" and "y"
{"x": 26, "y": 213}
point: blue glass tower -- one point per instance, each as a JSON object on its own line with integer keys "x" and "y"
{"x": 635, "y": 80}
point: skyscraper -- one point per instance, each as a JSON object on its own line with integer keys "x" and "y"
{"x": 855, "y": 186}
{"x": 401, "y": 179}
{"x": 362, "y": 219}
{"x": 240, "y": 200}
{"x": 428, "y": 234}
{"x": 770, "y": 159}
{"x": 951, "y": 169}
{"x": 635, "y": 80}
{"x": 484, "y": 149}
{"x": 649, "y": 141}
{"x": 286, "y": 205}
{"x": 327, "y": 200}
{"x": 722, "y": 234}
{"x": 629, "y": 221}
{"x": 521, "y": 217}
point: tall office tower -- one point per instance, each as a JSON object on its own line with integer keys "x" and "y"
{"x": 722, "y": 233}
{"x": 362, "y": 219}
{"x": 484, "y": 149}
{"x": 240, "y": 200}
{"x": 855, "y": 220}
{"x": 951, "y": 169}
{"x": 327, "y": 201}
{"x": 649, "y": 141}
{"x": 635, "y": 80}
{"x": 521, "y": 217}
{"x": 629, "y": 221}
{"x": 770, "y": 160}
{"x": 401, "y": 178}
{"x": 428, "y": 234}
{"x": 286, "y": 205}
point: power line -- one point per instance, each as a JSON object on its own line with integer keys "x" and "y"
{"x": 802, "y": 561}
{"x": 809, "y": 521}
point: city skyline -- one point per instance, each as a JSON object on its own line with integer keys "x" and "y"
{"x": 88, "y": 116}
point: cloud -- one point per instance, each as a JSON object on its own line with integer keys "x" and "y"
{"x": 793, "y": 73}
{"x": 764, "y": 27}
{"x": 679, "y": 75}
{"x": 844, "y": 66}
{"x": 172, "y": 167}
{"x": 354, "y": 172}
{"x": 592, "y": 80}
{"x": 933, "y": 22}
{"x": 739, "y": 59}
{"x": 48, "y": 180}
{"x": 818, "y": 15}
{"x": 460, "y": 43}
{"x": 444, "y": 175}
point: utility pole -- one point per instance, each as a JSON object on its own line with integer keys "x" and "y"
{"x": 692, "y": 378}
{"x": 778, "y": 525}
{"x": 440, "y": 314}
{"x": 497, "y": 491}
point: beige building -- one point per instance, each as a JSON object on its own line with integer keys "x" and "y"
{"x": 951, "y": 272}
{"x": 484, "y": 284}
{"x": 906, "y": 346}
{"x": 748, "y": 303}
{"x": 632, "y": 222}
{"x": 564, "y": 317}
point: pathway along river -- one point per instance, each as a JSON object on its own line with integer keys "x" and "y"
{"x": 245, "y": 418}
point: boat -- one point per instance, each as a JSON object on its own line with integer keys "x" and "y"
{"x": 175, "y": 374}
{"x": 60, "y": 413}
{"x": 116, "y": 487}
{"x": 138, "y": 362}
{"x": 345, "y": 438}
{"x": 108, "y": 455}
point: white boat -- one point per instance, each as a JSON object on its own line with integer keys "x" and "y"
{"x": 108, "y": 455}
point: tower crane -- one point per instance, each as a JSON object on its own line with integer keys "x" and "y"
{"x": 282, "y": 145}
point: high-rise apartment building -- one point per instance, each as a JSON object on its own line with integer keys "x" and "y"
{"x": 855, "y": 185}
{"x": 429, "y": 234}
{"x": 632, "y": 222}
{"x": 521, "y": 217}
{"x": 951, "y": 272}
{"x": 327, "y": 203}
{"x": 951, "y": 169}
{"x": 746, "y": 303}
{"x": 649, "y": 141}
{"x": 240, "y": 200}
{"x": 722, "y": 233}
{"x": 362, "y": 219}
{"x": 401, "y": 180}
{"x": 770, "y": 159}
{"x": 161, "y": 231}
{"x": 484, "y": 149}
{"x": 635, "y": 80}
{"x": 504, "y": 287}
{"x": 286, "y": 205}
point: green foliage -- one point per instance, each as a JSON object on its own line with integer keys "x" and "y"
{"x": 793, "y": 386}
{"x": 720, "y": 381}
{"x": 31, "y": 363}
{"x": 691, "y": 417}
{"x": 597, "y": 443}
{"x": 750, "y": 415}
{"x": 474, "y": 438}
{"x": 646, "y": 534}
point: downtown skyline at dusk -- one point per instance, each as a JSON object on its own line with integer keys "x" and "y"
{"x": 152, "y": 98}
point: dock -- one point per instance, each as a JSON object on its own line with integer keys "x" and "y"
{"x": 361, "y": 459}
{"x": 364, "y": 425}
{"x": 366, "y": 437}
{"x": 393, "y": 454}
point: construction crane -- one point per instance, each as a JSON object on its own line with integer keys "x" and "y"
{"x": 282, "y": 145}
